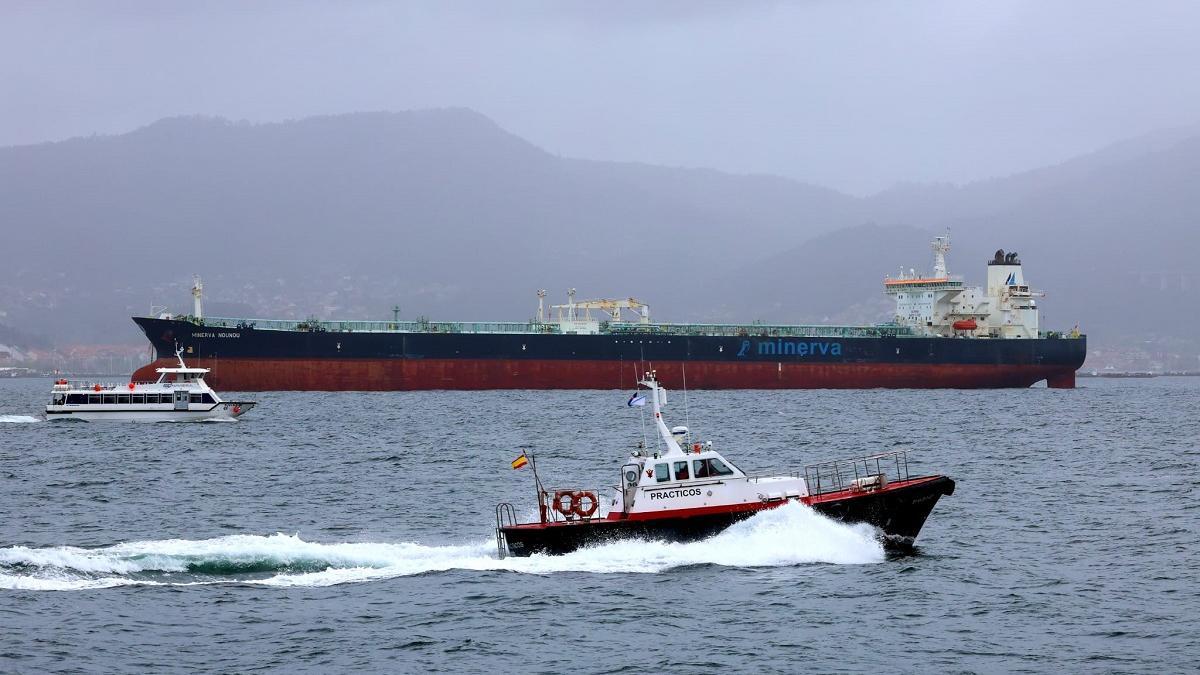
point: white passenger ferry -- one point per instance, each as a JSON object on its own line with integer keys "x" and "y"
{"x": 179, "y": 395}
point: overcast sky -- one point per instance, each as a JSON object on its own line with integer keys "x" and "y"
{"x": 852, "y": 95}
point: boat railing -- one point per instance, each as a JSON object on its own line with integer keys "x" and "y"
{"x": 554, "y": 515}
{"x": 769, "y": 474}
{"x": 506, "y": 516}
{"x": 857, "y": 473}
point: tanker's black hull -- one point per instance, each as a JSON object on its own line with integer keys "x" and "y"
{"x": 252, "y": 359}
{"x": 897, "y": 514}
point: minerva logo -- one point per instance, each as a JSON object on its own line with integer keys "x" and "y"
{"x": 790, "y": 348}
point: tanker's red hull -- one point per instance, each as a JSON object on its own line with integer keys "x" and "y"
{"x": 261, "y": 374}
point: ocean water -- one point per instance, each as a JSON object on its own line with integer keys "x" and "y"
{"x": 354, "y": 531}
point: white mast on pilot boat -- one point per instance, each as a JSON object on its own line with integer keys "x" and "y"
{"x": 668, "y": 438}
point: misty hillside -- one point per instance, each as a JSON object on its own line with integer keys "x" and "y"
{"x": 449, "y": 216}
{"x": 440, "y": 211}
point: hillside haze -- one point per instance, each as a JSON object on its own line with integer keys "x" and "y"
{"x": 447, "y": 215}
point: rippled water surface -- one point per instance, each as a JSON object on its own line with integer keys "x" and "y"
{"x": 354, "y": 531}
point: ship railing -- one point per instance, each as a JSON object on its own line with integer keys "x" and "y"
{"x": 857, "y": 473}
{"x": 554, "y": 515}
{"x": 537, "y": 327}
{"x": 761, "y": 330}
{"x": 418, "y": 326}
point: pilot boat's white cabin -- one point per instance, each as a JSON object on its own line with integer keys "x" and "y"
{"x": 690, "y": 476}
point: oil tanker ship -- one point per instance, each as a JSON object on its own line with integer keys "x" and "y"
{"x": 944, "y": 335}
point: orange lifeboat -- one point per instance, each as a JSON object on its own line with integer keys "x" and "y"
{"x": 966, "y": 324}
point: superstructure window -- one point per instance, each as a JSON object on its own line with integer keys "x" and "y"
{"x": 123, "y": 399}
{"x": 662, "y": 473}
{"x": 681, "y": 470}
{"x": 76, "y": 399}
{"x": 110, "y": 399}
{"x": 137, "y": 399}
{"x": 94, "y": 399}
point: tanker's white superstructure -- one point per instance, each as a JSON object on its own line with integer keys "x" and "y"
{"x": 940, "y": 304}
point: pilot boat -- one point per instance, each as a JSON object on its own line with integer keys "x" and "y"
{"x": 689, "y": 491}
{"x": 179, "y": 395}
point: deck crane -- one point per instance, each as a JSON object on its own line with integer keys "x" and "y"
{"x": 612, "y": 308}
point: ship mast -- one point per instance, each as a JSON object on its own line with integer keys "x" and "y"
{"x": 197, "y": 296}
{"x": 940, "y": 246}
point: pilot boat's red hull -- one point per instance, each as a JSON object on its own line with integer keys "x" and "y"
{"x": 898, "y": 511}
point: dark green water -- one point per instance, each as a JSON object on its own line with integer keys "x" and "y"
{"x": 330, "y": 532}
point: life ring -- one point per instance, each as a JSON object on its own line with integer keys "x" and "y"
{"x": 96, "y": 388}
{"x": 131, "y": 386}
{"x": 696, "y": 448}
{"x": 564, "y": 502}
{"x": 593, "y": 503}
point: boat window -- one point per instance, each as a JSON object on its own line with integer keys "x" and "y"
{"x": 717, "y": 468}
{"x": 197, "y": 398}
{"x": 94, "y": 399}
{"x": 110, "y": 399}
{"x": 709, "y": 468}
{"x": 207, "y": 398}
{"x": 123, "y": 399}
{"x": 681, "y": 470}
{"x": 76, "y": 399}
{"x": 137, "y": 399}
{"x": 662, "y": 472}
{"x": 58, "y": 399}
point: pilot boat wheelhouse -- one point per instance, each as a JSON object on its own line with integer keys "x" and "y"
{"x": 689, "y": 491}
{"x": 179, "y": 394}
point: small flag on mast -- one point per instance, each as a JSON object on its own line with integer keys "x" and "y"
{"x": 636, "y": 399}
{"x": 520, "y": 461}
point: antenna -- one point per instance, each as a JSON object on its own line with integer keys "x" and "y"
{"x": 686, "y": 419}
{"x": 395, "y": 313}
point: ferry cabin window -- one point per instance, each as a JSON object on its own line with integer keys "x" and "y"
{"x": 662, "y": 473}
{"x": 681, "y": 470}
{"x": 94, "y": 399}
{"x": 76, "y": 399}
{"x": 137, "y": 399}
{"x": 59, "y": 399}
{"x": 110, "y": 399}
{"x": 197, "y": 398}
{"x": 123, "y": 399}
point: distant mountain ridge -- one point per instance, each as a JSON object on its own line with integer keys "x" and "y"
{"x": 447, "y": 215}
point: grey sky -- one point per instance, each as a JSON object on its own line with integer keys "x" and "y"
{"x": 853, "y": 95}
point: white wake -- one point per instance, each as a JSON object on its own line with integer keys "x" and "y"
{"x": 19, "y": 419}
{"x": 789, "y": 535}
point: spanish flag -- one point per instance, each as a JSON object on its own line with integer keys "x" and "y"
{"x": 520, "y": 461}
